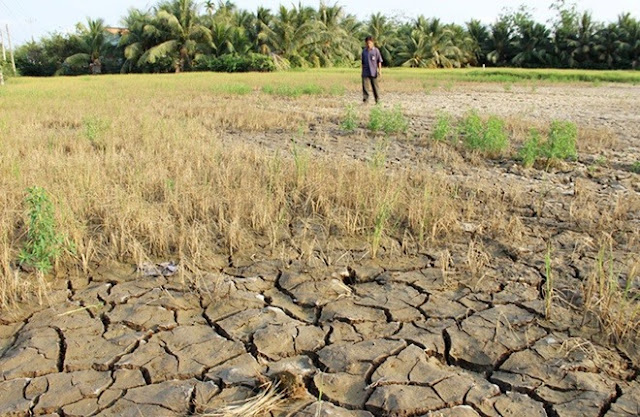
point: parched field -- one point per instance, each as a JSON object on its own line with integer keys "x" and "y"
{"x": 257, "y": 244}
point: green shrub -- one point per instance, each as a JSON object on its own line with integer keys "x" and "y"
{"x": 443, "y": 128}
{"x": 488, "y": 137}
{"x": 471, "y": 128}
{"x": 44, "y": 244}
{"x": 350, "y": 120}
{"x": 395, "y": 122}
{"x": 235, "y": 63}
{"x": 388, "y": 121}
{"x": 375, "y": 119}
{"x": 635, "y": 167}
{"x": 496, "y": 139}
{"x": 559, "y": 145}
{"x": 562, "y": 141}
{"x": 530, "y": 151}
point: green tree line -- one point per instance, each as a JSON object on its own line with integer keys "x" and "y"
{"x": 183, "y": 35}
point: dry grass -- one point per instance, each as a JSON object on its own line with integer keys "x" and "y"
{"x": 136, "y": 172}
{"x": 268, "y": 401}
{"x": 612, "y": 295}
{"x": 150, "y": 168}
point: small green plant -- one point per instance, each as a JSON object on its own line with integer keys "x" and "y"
{"x": 471, "y": 128}
{"x": 562, "y": 141}
{"x": 44, "y": 244}
{"x": 635, "y": 167}
{"x": 508, "y": 87}
{"x": 380, "y": 154}
{"x": 489, "y": 138}
{"x": 395, "y": 122}
{"x": 375, "y": 119}
{"x": 380, "y": 222}
{"x": 600, "y": 161}
{"x": 530, "y": 151}
{"x": 300, "y": 160}
{"x": 94, "y": 127}
{"x": 559, "y": 145}
{"x": 350, "y": 120}
{"x": 388, "y": 121}
{"x": 548, "y": 284}
{"x": 495, "y": 136}
{"x": 443, "y": 128}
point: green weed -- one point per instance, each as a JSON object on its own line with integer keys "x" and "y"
{"x": 530, "y": 151}
{"x": 559, "y": 145}
{"x": 635, "y": 167}
{"x": 489, "y": 138}
{"x": 350, "y": 120}
{"x": 388, "y": 121}
{"x": 300, "y": 160}
{"x": 44, "y": 244}
{"x": 548, "y": 284}
{"x": 94, "y": 127}
{"x": 380, "y": 154}
{"x": 383, "y": 213}
{"x": 562, "y": 141}
{"x": 375, "y": 119}
{"x": 443, "y": 128}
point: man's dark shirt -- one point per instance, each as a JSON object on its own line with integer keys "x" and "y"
{"x": 370, "y": 59}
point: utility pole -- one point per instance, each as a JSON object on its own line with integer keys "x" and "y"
{"x": 4, "y": 51}
{"x": 13, "y": 61}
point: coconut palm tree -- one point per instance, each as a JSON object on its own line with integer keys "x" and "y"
{"x": 92, "y": 44}
{"x": 184, "y": 36}
{"x": 581, "y": 46}
{"x": 430, "y": 45}
{"x": 335, "y": 36}
{"x": 291, "y": 33}
{"x": 533, "y": 42}
{"x": 135, "y": 41}
{"x": 630, "y": 31}
{"x": 501, "y": 42}
{"x": 480, "y": 35}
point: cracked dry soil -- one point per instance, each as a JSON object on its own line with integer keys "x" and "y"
{"x": 388, "y": 337}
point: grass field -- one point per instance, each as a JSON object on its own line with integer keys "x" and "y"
{"x": 140, "y": 167}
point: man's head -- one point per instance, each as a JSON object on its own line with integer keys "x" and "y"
{"x": 369, "y": 41}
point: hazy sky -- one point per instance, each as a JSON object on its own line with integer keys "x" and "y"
{"x": 36, "y": 18}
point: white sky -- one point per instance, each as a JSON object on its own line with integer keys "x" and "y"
{"x": 37, "y": 18}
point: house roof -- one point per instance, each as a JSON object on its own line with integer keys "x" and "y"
{"x": 117, "y": 31}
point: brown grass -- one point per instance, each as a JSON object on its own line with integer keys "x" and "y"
{"x": 268, "y": 401}
{"x": 156, "y": 168}
{"x": 612, "y": 294}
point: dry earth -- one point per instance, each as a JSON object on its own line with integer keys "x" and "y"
{"x": 405, "y": 335}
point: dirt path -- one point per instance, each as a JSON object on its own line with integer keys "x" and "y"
{"x": 406, "y": 335}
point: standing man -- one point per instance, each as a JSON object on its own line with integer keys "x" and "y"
{"x": 371, "y": 68}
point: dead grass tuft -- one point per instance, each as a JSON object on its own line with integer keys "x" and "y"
{"x": 268, "y": 401}
{"x": 612, "y": 294}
